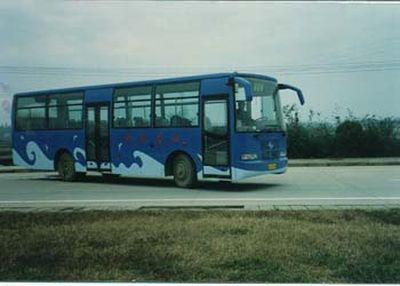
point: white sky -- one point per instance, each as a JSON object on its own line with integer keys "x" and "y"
{"x": 342, "y": 55}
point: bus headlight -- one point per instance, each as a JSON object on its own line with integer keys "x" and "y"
{"x": 248, "y": 156}
{"x": 282, "y": 153}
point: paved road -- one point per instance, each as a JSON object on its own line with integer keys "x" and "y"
{"x": 300, "y": 187}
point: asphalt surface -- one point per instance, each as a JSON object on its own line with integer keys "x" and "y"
{"x": 300, "y": 187}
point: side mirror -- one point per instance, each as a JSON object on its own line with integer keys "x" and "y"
{"x": 297, "y": 90}
{"x": 248, "y": 89}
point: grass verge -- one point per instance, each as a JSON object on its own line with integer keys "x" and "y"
{"x": 349, "y": 246}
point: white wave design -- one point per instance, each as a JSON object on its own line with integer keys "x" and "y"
{"x": 77, "y": 151}
{"x": 78, "y": 166}
{"x": 150, "y": 167}
{"x": 17, "y": 160}
{"x": 38, "y": 160}
{"x": 34, "y": 154}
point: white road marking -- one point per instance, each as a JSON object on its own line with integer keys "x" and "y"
{"x": 201, "y": 200}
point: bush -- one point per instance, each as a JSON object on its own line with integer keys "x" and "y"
{"x": 380, "y": 137}
{"x": 310, "y": 140}
{"x": 366, "y": 137}
{"x": 349, "y": 139}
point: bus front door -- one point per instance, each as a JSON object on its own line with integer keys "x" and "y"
{"x": 98, "y": 136}
{"x": 215, "y": 133}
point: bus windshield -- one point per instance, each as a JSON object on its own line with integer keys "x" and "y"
{"x": 261, "y": 114}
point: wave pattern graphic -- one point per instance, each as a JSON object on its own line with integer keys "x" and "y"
{"x": 80, "y": 159}
{"x": 36, "y": 158}
{"x": 143, "y": 165}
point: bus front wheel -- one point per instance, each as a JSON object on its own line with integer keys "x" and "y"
{"x": 66, "y": 168}
{"x": 184, "y": 172}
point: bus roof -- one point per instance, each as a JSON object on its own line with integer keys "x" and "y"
{"x": 146, "y": 82}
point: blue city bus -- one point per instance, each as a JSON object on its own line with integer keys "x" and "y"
{"x": 226, "y": 126}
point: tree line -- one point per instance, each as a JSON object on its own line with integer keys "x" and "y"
{"x": 370, "y": 136}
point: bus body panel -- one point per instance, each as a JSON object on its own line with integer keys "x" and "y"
{"x": 98, "y": 95}
{"x": 37, "y": 149}
{"x": 144, "y": 151}
{"x": 138, "y": 83}
{"x": 270, "y": 149}
{"x": 215, "y": 86}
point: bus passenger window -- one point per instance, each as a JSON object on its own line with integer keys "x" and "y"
{"x": 31, "y": 113}
{"x": 132, "y": 107}
{"x": 177, "y": 105}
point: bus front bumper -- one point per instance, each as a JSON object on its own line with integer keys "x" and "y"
{"x": 247, "y": 169}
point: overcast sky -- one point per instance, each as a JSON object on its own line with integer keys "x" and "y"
{"x": 343, "y": 55}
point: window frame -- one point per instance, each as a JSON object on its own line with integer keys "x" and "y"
{"x": 67, "y": 110}
{"x": 177, "y": 97}
{"x": 47, "y": 107}
{"x": 114, "y": 96}
{"x": 275, "y": 94}
{"x": 153, "y": 100}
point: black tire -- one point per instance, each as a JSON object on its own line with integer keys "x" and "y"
{"x": 66, "y": 168}
{"x": 184, "y": 172}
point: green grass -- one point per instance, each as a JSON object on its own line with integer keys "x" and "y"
{"x": 350, "y": 246}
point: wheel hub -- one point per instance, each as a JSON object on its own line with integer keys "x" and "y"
{"x": 181, "y": 170}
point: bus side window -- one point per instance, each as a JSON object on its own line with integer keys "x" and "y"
{"x": 176, "y": 104}
{"x": 132, "y": 106}
{"x": 162, "y": 121}
{"x": 31, "y": 112}
{"x": 65, "y": 110}
{"x": 139, "y": 122}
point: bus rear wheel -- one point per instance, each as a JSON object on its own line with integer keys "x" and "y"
{"x": 184, "y": 172}
{"x": 66, "y": 168}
